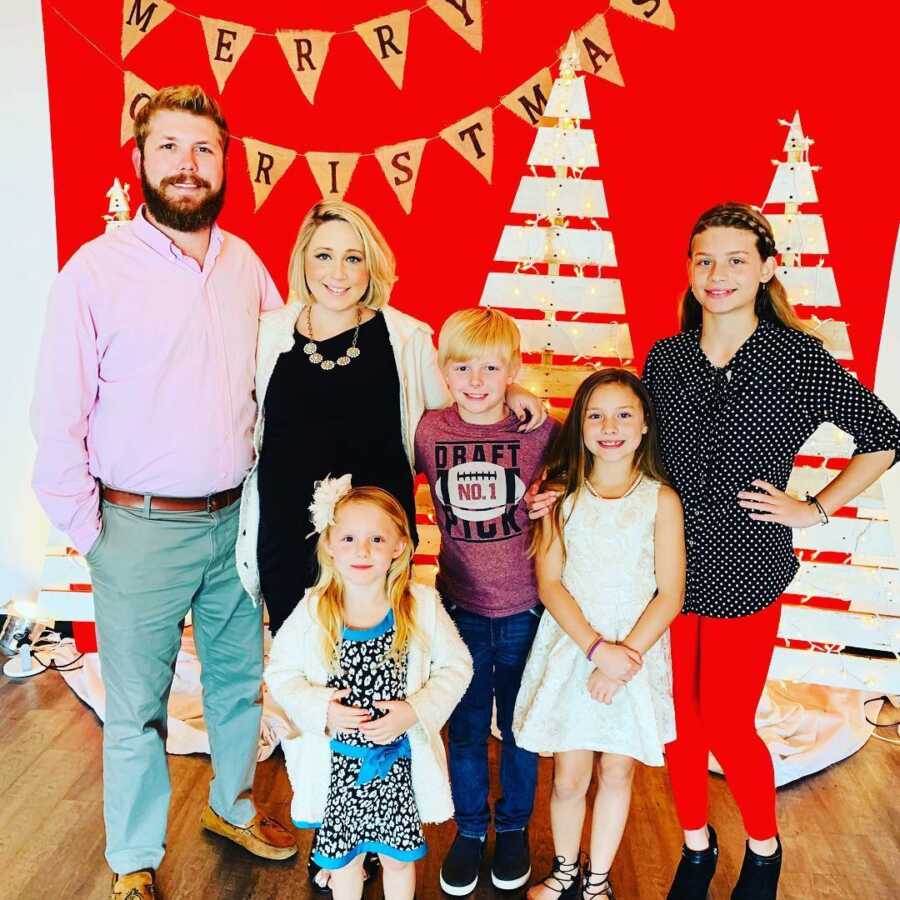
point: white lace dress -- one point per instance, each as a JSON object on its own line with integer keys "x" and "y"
{"x": 609, "y": 571}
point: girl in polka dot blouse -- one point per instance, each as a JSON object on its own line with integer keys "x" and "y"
{"x": 737, "y": 393}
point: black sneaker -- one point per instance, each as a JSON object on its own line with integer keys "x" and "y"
{"x": 512, "y": 861}
{"x": 459, "y": 872}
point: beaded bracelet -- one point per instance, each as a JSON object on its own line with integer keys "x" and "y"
{"x": 592, "y": 649}
{"x": 814, "y": 501}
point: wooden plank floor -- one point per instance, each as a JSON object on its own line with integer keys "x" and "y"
{"x": 841, "y": 828}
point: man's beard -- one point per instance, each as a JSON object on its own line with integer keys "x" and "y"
{"x": 179, "y": 216}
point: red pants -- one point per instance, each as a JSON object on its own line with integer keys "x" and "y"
{"x": 719, "y": 669}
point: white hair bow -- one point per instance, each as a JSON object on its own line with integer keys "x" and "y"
{"x": 325, "y": 497}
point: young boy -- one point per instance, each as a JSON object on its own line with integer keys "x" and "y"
{"x": 479, "y": 466}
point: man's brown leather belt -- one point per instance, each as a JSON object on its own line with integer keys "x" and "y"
{"x": 173, "y": 504}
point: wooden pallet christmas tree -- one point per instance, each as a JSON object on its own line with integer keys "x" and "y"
{"x": 552, "y": 260}
{"x": 845, "y": 600}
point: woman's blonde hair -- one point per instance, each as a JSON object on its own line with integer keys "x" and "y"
{"x": 330, "y": 586}
{"x": 380, "y": 259}
{"x": 468, "y": 333}
{"x": 569, "y": 462}
{"x": 772, "y": 302}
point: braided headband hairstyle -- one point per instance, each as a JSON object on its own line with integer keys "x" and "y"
{"x": 771, "y": 299}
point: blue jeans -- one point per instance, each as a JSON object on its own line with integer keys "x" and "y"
{"x": 499, "y": 649}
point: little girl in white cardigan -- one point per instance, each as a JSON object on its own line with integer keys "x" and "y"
{"x": 368, "y": 668}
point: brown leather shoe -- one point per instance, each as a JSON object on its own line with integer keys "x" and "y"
{"x": 139, "y": 885}
{"x": 262, "y": 837}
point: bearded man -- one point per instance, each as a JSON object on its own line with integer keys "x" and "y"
{"x": 143, "y": 413}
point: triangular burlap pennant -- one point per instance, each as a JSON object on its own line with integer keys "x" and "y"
{"x": 305, "y": 52}
{"x": 139, "y": 18}
{"x": 595, "y": 50}
{"x": 266, "y": 163}
{"x": 473, "y": 139}
{"x": 464, "y": 17}
{"x": 400, "y": 164}
{"x": 332, "y": 172}
{"x": 225, "y": 44}
{"x": 137, "y": 92}
{"x": 529, "y": 99}
{"x": 387, "y": 38}
{"x": 659, "y": 12}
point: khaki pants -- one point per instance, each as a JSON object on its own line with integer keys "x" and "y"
{"x": 149, "y": 569}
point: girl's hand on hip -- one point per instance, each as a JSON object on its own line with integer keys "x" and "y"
{"x": 601, "y": 688}
{"x": 777, "y": 507}
{"x": 617, "y": 662}
{"x": 344, "y": 718}
{"x": 399, "y": 718}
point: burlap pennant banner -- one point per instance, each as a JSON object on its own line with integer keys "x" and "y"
{"x": 305, "y": 52}
{"x": 388, "y": 38}
{"x": 139, "y": 19}
{"x": 332, "y": 172}
{"x": 464, "y": 17}
{"x": 529, "y": 99}
{"x": 225, "y": 44}
{"x": 137, "y": 92}
{"x": 266, "y": 163}
{"x": 400, "y": 164}
{"x": 595, "y": 51}
{"x": 473, "y": 139}
{"x": 659, "y": 12}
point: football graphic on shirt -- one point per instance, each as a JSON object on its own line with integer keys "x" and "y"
{"x": 478, "y": 491}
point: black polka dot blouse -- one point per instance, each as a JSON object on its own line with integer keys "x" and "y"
{"x": 722, "y": 428}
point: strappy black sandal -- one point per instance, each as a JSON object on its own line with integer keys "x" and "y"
{"x": 595, "y": 884}
{"x": 564, "y": 879}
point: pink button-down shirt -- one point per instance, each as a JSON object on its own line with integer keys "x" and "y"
{"x": 145, "y": 375}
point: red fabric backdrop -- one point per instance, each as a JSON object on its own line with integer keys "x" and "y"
{"x": 694, "y": 125}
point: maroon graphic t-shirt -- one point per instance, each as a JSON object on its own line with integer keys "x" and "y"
{"x": 478, "y": 475}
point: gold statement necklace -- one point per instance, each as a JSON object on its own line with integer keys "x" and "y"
{"x": 311, "y": 349}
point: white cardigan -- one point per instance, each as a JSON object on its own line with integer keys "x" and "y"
{"x": 439, "y": 669}
{"x": 421, "y": 387}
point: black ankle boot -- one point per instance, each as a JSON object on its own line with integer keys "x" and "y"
{"x": 695, "y": 871}
{"x": 759, "y": 876}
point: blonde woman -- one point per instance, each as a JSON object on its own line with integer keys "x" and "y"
{"x": 368, "y": 668}
{"x": 342, "y": 381}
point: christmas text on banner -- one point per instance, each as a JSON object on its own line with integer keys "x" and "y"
{"x": 225, "y": 44}
{"x": 266, "y": 163}
{"x": 595, "y": 51}
{"x": 659, "y": 12}
{"x": 305, "y": 52}
{"x": 332, "y": 172}
{"x": 473, "y": 139}
{"x": 529, "y": 99}
{"x": 139, "y": 19}
{"x": 400, "y": 164}
{"x": 137, "y": 93}
{"x": 464, "y": 17}
{"x": 388, "y": 38}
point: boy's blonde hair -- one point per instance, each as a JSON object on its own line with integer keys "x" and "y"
{"x": 476, "y": 332}
{"x": 330, "y": 585}
{"x": 379, "y": 257}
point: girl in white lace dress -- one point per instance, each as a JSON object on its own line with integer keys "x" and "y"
{"x": 610, "y": 564}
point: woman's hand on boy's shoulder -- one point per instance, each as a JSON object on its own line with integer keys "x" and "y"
{"x": 398, "y": 719}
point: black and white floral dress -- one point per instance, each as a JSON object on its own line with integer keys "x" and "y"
{"x": 370, "y": 805}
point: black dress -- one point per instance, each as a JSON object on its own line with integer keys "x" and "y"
{"x": 722, "y": 428}
{"x": 320, "y": 423}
